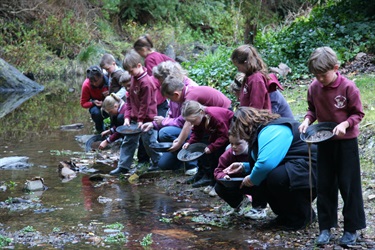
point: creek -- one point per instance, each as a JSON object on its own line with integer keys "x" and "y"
{"x": 33, "y": 130}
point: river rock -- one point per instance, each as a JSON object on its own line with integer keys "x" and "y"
{"x": 15, "y": 162}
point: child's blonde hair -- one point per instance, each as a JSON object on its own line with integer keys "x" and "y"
{"x": 125, "y": 77}
{"x": 191, "y": 107}
{"x": 131, "y": 60}
{"x": 236, "y": 85}
{"x": 322, "y": 60}
{"x": 110, "y": 101}
{"x": 164, "y": 69}
{"x": 171, "y": 84}
{"x": 107, "y": 59}
{"x": 144, "y": 42}
{"x": 249, "y": 56}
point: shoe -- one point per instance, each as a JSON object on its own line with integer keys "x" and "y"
{"x": 245, "y": 206}
{"x": 194, "y": 178}
{"x": 212, "y": 193}
{"x": 204, "y": 181}
{"x": 207, "y": 189}
{"x": 192, "y": 171}
{"x": 153, "y": 167}
{"x": 324, "y": 237}
{"x": 119, "y": 171}
{"x": 348, "y": 238}
{"x": 256, "y": 214}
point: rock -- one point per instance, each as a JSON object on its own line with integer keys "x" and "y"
{"x": 14, "y": 162}
{"x": 170, "y": 52}
{"x": 75, "y": 126}
{"x": 35, "y": 184}
{"x": 65, "y": 171}
{"x": 371, "y": 197}
{"x": 12, "y": 79}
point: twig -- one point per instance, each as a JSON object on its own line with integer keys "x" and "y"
{"x": 24, "y": 10}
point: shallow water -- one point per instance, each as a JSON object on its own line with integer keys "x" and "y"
{"x": 33, "y": 130}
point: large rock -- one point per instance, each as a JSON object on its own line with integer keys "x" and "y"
{"x": 14, "y": 162}
{"x": 12, "y": 79}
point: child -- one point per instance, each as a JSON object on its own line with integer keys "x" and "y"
{"x": 213, "y": 122}
{"x": 238, "y": 152}
{"x": 174, "y": 89}
{"x": 333, "y": 98}
{"x": 108, "y": 63}
{"x": 152, "y": 58}
{"x": 94, "y": 90}
{"x": 278, "y": 103}
{"x": 140, "y": 108}
{"x": 115, "y": 107}
{"x": 145, "y": 47}
{"x": 170, "y": 127}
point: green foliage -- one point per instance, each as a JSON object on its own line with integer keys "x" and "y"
{"x": 166, "y": 220}
{"x": 28, "y": 229}
{"x": 56, "y": 230}
{"x": 213, "y": 69}
{"x": 64, "y": 35}
{"x": 116, "y": 225}
{"x": 10, "y": 184}
{"x": 147, "y": 240}
{"x": 5, "y": 241}
{"x": 325, "y": 26}
{"x": 116, "y": 238}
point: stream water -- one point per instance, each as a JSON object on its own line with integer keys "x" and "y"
{"x": 33, "y": 130}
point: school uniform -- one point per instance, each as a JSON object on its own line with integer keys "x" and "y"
{"x": 153, "y": 59}
{"x": 254, "y": 92}
{"x": 141, "y": 107}
{"x": 215, "y": 124}
{"x": 338, "y": 158}
{"x": 114, "y": 83}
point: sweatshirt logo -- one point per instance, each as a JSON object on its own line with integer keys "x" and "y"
{"x": 340, "y": 101}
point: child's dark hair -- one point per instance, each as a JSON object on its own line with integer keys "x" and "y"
{"x": 250, "y": 58}
{"x": 171, "y": 84}
{"x": 322, "y": 60}
{"x": 131, "y": 60}
{"x": 107, "y": 59}
{"x": 93, "y": 73}
{"x": 143, "y": 42}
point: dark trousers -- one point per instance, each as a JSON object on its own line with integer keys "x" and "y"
{"x": 97, "y": 116}
{"x": 208, "y": 162}
{"x": 292, "y": 206}
{"x": 339, "y": 169}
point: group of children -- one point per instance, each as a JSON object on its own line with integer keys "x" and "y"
{"x": 168, "y": 106}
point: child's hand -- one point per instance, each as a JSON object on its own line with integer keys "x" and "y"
{"x": 304, "y": 125}
{"x": 103, "y": 144}
{"x": 126, "y": 122}
{"x": 175, "y": 145}
{"x": 97, "y": 103}
{"x": 140, "y": 124}
{"x": 207, "y": 150}
{"x": 234, "y": 168}
{"x": 226, "y": 177}
{"x": 147, "y": 126}
{"x": 186, "y": 145}
{"x": 340, "y": 129}
{"x": 158, "y": 119}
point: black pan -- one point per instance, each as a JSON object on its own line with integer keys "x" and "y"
{"x": 161, "y": 146}
{"x": 193, "y": 152}
{"x": 129, "y": 130}
{"x": 93, "y": 142}
{"x": 319, "y": 132}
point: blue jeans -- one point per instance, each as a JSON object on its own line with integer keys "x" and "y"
{"x": 169, "y": 160}
{"x": 98, "y": 117}
{"x": 130, "y": 144}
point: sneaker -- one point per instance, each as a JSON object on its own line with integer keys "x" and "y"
{"x": 207, "y": 189}
{"x": 245, "y": 206}
{"x": 212, "y": 193}
{"x": 192, "y": 171}
{"x": 256, "y": 214}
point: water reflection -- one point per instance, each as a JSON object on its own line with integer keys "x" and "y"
{"x": 33, "y": 130}
{"x": 9, "y": 101}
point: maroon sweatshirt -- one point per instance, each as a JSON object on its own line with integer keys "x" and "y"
{"x": 206, "y": 96}
{"x": 254, "y": 92}
{"x": 141, "y": 104}
{"x": 153, "y": 59}
{"x": 226, "y": 159}
{"x": 337, "y": 102}
{"x": 215, "y": 124}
